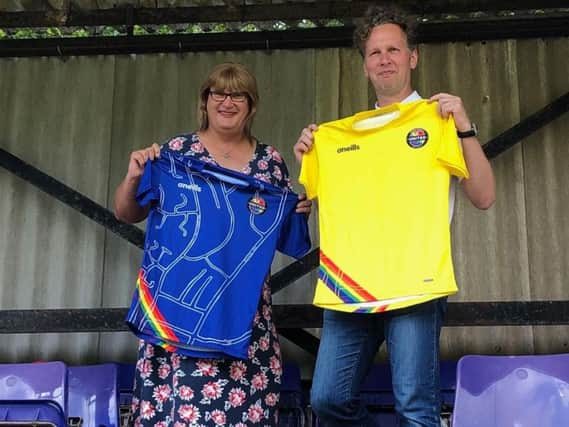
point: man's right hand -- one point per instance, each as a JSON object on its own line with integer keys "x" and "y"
{"x": 305, "y": 141}
{"x": 139, "y": 158}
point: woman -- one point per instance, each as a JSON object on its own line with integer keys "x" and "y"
{"x": 174, "y": 389}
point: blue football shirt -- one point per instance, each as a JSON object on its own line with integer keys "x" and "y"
{"x": 210, "y": 240}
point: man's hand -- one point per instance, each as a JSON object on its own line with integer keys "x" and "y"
{"x": 450, "y": 104}
{"x": 305, "y": 141}
{"x": 304, "y": 205}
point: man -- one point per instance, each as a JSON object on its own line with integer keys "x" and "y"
{"x": 356, "y": 324}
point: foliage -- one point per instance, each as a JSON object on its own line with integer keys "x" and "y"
{"x": 158, "y": 30}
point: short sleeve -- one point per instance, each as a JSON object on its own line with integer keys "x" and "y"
{"x": 294, "y": 238}
{"x": 146, "y": 192}
{"x": 309, "y": 171}
{"x": 450, "y": 151}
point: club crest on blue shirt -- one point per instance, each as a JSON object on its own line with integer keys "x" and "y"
{"x": 257, "y": 205}
{"x": 417, "y": 137}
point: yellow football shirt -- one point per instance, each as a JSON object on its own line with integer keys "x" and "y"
{"x": 382, "y": 181}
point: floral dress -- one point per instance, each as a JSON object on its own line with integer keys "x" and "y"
{"x": 175, "y": 390}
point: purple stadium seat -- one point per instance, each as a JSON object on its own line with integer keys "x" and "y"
{"x": 376, "y": 389}
{"x": 94, "y": 395}
{"x": 448, "y": 382}
{"x": 125, "y": 372}
{"x": 33, "y": 393}
{"x": 126, "y": 385}
{"x": 377, "y": 394}
{"x": 292, "y": 409}
{"x": 512, "y": 391}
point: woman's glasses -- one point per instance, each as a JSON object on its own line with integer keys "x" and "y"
{"x": 222, "y": 96}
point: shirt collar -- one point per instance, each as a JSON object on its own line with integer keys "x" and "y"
{"x": 413, "y": 97}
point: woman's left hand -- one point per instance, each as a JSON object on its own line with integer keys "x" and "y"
{"x": 304, "y": 205}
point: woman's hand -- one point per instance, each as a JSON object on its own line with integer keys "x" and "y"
{"x": 139, "y": 158}
{"x": 304, "y": 143}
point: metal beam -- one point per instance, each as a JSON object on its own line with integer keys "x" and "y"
{"x": 71, "y": 198}
{"x": 436, "y": 31}
{"x": 287, "y": 316}
{"x": 294, "y": 271}
{"x": 527, "y": 126}
{"x": 133, "y": 234}
{"x": 302, "y": 338}
{"x": 287, "y": 11}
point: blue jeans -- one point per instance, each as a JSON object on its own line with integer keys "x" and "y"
{"x": 348, "y": 345}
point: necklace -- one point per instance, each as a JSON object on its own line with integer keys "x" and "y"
{"x": 225, "y": 155}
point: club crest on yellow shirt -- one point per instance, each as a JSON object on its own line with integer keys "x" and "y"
{"x": 416, "y": 138}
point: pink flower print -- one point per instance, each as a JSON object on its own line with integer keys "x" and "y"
{"x": 176, "y": 144}
{"x": 175, "y": 359}
{"x": 246, "y": 170}
{"x": 240, "y": 425}
{"x": 277, "y": 173}
{"x": 161, "y": 424}
{"x": 268, "y": 152}
{"x": 236, "y": 397}
{"x": 255, "y": 413}
{"x": 237, "y": 370}
{"x": 267, "y": 312}
{"x": 218, "y": 417}
{"x": 147, "y": 410}
{"x": 197, "y": 147}
{"x": 189, "y": 413}
{"x": 212, "y": 390}
{"x": 134, "y": 404}
{"x": 145, "y": 368}
{"x": 275, "y": 365}
{"x": 260, "y": 381}
{"x": 272, "y": 399}
{"x": 162, "y": 393}
{"x": 277, "y": 156}
{"x": 251, "y": 351}
{"x": 164, "y": 370}
{"x": 256, "y": 318}
{"x": 266, "y": 294}
{"x": 273, "y": 330}
{"x": 264, "y": 343}
{"x": 207, "y": 368}
{"x": 186, "y": 393}
{"x": 179, "y": 424}
{"x": 277, "y": 349}
{"x": 263, "y": 165}
{"x": 149, "y": 351}
{"x": 263, "y": 177}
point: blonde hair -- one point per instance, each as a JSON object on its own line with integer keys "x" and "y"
{"x": 230, "y": 77}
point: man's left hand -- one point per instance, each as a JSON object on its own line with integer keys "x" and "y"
{"x": 449, "y": 104}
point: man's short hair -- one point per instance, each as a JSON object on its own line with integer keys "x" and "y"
{"x": 388, "y": 14}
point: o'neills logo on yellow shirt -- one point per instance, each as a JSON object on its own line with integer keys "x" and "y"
{"x": 352, "y": 147}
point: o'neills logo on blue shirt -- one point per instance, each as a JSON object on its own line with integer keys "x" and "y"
{"x": 352, "y": 147}
{"x": 192, "y": 187}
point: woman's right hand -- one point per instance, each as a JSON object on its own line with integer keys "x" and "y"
{"x": 139, "y": 158}
{"x": 304, "y": 143}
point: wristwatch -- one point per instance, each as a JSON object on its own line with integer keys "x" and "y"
{"x": 473, "y": 131}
